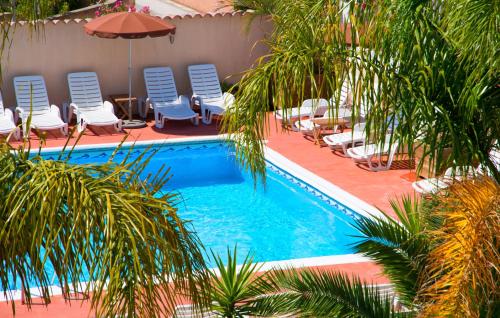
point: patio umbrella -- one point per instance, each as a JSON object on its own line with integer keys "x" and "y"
{"x": 129, "y": 25}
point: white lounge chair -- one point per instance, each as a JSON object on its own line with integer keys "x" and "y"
{"x": 434, "y": 185}
{"x": 87, "y": 103}
{"x": 372, "y": 153}
{"x": 343, "y": 140}
{"x": 162, "y": 96}
{"x": 7, "y": 123}
{"x": 309, "y": 108}
{"x": 330, "y": 119}
{"x": 32, "y": 99}
{"x": 207, "y": 91}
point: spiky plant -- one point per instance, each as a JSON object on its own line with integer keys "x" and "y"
{"x": 109, "y": 220}
{"x": 234, "y": 287}
{"x": 461, "y": 278}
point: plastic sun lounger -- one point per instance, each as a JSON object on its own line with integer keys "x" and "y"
{"x": 162, "y": 96}
{"x": 7, "y": 122}
{"x": 368, "y": 153}
{"x": 343, "y": 140}
{"x": 32, "y": 99}
{"x": 334, "y": 120}
{"x": 87, "y": 103}
{"x": 207, "y": 91}
{"x": 434, "y": 185}
{"x": 308, "y": 108}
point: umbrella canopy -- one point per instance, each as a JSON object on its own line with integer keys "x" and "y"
{"x": 128, "y": 25}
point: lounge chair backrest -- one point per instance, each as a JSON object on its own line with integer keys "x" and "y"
{"x": 344, "y": 94}
{"x": 318, "y": 106}
{"x": 205, "y": 82}
{"x": 31, "y": 94}
{"x": 85, "y": 90}
{"x": 160, "y": 84}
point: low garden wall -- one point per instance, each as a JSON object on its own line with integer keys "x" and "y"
{"x": 61, "y": 47}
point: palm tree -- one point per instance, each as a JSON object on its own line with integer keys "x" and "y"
{"x": 415, "y": 63}
{"x": 110, "y": 221}
{"x": 107, "y": 223}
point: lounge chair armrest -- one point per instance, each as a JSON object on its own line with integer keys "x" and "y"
{"x": 55, "y": 109}
{"x": 9, "y": 114}
{"x": 196, "y": 100}
{"x": 108, "y": 106}
{"x": 73, "y": 106}
{"x": 21, "y": 113}
{"x": 228, "y": 98}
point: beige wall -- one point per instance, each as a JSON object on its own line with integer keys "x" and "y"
{"x": 64, "y": 47}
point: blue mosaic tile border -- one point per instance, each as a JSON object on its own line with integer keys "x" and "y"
{"x": 138, "y": 149}
{"x": 312, "y": 190}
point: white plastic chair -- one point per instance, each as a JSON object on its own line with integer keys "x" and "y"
{"x": 87, "y": 103}
{"x": 162, "y": 96}
{"x": 7, "y": 122}
{"x": 368, "y": 154}
{"x": 32, "y": 99}
{"x": 207, "y": 91}
{"x": 343, "y": 140}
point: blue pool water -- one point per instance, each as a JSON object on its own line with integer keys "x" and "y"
{"x": 285, "y": 220}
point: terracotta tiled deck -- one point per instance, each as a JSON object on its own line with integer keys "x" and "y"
{"x": 375, "y": 188}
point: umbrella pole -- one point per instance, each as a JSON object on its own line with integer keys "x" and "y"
{"x": 130, "y": 79}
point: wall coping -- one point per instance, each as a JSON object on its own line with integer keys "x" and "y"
{"x": 169, "y": 17}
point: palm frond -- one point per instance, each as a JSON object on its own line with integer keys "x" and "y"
{"x": 109, "y": 220}
{"x": 314, "y": 293}
{"x": 461, "y": 279}
{"x": 407, "y": 67}
{"x": 399, "y": 247}
{"x": 234, "y": 287}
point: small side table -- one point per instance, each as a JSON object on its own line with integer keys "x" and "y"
{"x": 121, "y": 102}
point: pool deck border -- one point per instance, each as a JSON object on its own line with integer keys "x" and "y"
{"x": 329, "y": 189}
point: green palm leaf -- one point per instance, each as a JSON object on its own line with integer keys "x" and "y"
{"x": 314, "y": 293}
{"x": 102, "y": 219}
{"x": 400, "y": 248}
{"x": 234, "y": 287}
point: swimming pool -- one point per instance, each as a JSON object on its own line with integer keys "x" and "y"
{"x": 287, "y": 219}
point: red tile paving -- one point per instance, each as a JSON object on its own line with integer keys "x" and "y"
{"x": 375, "y": 188}
{"x": 59, "y": 308}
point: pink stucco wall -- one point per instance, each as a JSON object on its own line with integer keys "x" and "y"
{"x": 63, "y": 47}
